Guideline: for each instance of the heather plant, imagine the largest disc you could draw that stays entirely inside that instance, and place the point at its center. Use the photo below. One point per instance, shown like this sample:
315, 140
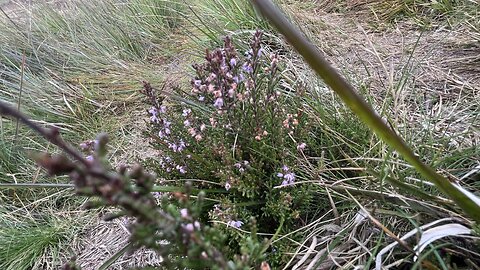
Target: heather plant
239, 131
175, 231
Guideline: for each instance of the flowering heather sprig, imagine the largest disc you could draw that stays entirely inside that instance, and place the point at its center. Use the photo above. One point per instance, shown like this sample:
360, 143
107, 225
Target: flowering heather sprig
301, 146
241, 166
241, 117
235, 223
287, 176
218, 81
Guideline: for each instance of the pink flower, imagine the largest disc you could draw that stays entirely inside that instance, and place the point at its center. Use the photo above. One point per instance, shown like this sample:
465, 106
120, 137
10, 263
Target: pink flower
218, 103
192, 132
247, 68
231, 93
301, 146
163, 109
184, 213
235, 224
211, 88
217, 93
181, 169
153, 111
186, 112
189, 227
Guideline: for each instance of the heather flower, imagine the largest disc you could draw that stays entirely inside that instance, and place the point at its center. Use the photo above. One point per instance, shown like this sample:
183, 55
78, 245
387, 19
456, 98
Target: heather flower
186, 123
197, 83
163, 109
181, 145
227, 186
217, 93
181, 169
301, 146
203, 127
186, 112
247, 68
196, 224
189, 227
84, 146
89, 158
236, 79
211, 77
184, 213
233, 62
231, 93
211, 88
248, 54
259, 53
201, 98
235, 224
218, 103
241, 166
192, 131
288, 177
157, 195
153, 111
173, 146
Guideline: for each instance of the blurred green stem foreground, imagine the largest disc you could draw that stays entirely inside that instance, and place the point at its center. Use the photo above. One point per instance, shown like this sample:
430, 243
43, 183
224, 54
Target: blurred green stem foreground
357, 104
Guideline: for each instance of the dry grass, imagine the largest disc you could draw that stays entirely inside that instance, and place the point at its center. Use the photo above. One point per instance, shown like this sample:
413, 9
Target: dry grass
105, 239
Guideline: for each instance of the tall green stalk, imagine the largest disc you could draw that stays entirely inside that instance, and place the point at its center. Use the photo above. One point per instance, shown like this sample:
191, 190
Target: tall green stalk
358, 105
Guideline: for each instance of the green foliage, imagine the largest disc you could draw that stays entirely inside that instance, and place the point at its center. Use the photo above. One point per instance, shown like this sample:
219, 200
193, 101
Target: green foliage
24, 243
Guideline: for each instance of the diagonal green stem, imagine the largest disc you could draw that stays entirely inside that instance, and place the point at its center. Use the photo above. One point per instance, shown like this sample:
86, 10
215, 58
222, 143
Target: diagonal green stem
358, 105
